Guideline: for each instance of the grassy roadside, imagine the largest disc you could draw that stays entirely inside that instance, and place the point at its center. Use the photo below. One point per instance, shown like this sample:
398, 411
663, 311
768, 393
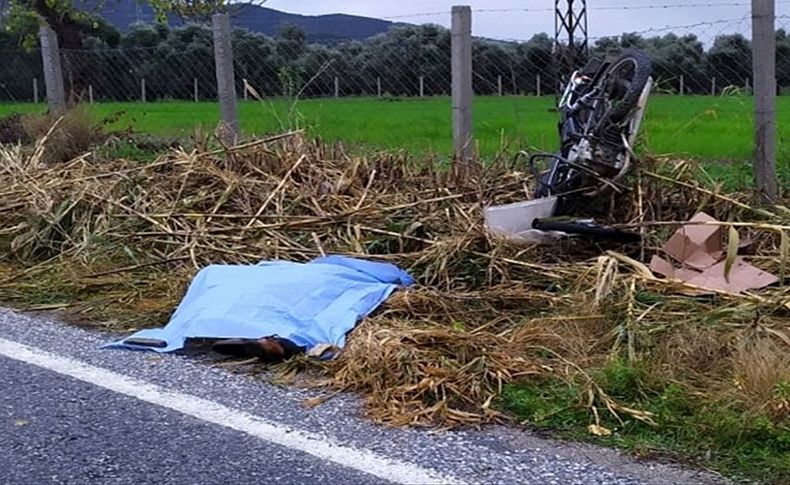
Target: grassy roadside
732, 438
563, 339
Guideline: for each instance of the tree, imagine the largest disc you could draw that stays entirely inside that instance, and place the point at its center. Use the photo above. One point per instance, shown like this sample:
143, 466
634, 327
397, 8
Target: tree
675, 56
77, 29
532, 58
730, 60
73, 25
782, 58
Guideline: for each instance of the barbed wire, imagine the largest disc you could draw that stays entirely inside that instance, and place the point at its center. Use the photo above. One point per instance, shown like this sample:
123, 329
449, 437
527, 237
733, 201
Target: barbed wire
667, 6
683, 27
413, 61
698, 27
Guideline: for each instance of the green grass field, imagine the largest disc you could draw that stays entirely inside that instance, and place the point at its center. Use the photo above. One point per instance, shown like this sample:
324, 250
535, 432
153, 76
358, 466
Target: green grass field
708, 128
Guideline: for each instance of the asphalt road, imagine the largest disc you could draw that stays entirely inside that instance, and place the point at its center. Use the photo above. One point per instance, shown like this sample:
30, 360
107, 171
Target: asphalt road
72, 413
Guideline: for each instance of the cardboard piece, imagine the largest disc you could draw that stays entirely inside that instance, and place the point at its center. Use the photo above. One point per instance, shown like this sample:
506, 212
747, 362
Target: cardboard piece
696, 246
698, 258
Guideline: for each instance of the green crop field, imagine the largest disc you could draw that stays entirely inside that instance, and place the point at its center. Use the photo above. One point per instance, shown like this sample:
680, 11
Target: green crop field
708, 128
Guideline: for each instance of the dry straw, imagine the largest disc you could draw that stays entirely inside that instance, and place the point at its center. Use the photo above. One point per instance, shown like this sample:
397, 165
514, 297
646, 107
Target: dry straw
116, 241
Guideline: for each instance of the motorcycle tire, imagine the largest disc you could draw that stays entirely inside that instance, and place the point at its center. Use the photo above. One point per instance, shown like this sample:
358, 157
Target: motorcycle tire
643, 68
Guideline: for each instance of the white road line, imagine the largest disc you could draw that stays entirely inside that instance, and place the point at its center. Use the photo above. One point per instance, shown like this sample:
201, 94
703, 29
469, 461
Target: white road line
215, 413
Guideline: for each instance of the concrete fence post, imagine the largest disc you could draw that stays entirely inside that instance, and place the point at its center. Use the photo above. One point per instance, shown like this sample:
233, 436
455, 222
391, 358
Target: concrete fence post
226, 78
462, 82
53, 72
764, 68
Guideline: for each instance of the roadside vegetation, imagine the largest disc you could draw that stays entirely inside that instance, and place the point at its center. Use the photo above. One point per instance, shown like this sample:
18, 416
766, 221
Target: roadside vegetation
580, 340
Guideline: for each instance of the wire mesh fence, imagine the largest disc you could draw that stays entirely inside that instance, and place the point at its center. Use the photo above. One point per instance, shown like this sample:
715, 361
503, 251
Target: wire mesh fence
21, 75
152, 64
415, 62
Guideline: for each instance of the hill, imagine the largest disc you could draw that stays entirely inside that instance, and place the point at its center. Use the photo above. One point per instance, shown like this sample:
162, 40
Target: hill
320, 28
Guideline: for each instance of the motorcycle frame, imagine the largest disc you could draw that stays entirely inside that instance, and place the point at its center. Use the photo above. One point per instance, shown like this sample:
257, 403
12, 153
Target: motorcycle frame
570, 130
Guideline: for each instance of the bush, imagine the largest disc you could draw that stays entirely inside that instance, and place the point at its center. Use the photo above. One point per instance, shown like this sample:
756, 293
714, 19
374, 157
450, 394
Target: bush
67, 136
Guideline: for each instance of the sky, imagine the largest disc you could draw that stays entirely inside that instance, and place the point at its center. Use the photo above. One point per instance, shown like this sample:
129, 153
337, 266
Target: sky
523, 18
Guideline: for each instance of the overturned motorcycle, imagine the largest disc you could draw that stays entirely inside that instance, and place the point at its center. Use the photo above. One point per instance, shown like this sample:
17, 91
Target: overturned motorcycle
601, 108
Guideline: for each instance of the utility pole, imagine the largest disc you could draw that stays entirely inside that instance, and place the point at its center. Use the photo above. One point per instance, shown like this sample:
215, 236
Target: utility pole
764, 66
570, 33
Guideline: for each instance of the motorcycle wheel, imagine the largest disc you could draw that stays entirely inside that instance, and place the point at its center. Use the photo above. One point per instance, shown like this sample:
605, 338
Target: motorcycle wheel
627, 78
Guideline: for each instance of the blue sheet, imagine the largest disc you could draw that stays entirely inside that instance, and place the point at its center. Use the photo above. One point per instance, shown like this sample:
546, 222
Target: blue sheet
308, 303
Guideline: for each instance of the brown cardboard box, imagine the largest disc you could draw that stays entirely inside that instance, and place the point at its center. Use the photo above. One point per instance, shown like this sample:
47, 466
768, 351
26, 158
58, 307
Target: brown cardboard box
698, 256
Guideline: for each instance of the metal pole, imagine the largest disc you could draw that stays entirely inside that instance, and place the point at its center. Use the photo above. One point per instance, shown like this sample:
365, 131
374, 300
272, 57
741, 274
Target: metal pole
90, 93
337, 87
35, 90
197, 91
462, 82
764, 68
53, 73
538, 86
226, 78
682, 85
499, 84
378, 86
142, 90
422, 86
713, 87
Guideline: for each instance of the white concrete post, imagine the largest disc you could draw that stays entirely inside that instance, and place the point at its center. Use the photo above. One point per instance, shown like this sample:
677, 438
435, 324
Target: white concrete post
462, 82
764, 68
226, 78
53, 72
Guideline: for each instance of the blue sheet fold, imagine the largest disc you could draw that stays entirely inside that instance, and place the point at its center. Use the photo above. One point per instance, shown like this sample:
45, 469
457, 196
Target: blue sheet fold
308, 303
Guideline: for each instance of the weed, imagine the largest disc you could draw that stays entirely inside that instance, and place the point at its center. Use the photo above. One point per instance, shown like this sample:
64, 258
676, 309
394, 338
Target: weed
723, 436
72, 136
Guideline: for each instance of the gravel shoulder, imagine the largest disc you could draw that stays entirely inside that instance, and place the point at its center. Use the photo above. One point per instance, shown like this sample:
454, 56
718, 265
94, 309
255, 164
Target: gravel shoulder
491, 455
